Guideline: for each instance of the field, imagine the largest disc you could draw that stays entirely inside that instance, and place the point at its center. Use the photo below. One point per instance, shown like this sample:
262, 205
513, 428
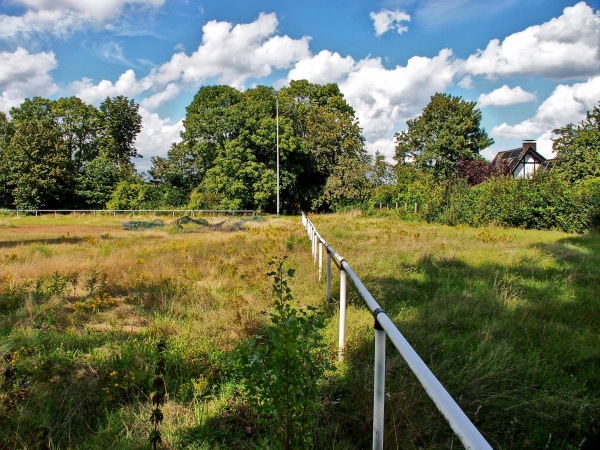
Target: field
507, 319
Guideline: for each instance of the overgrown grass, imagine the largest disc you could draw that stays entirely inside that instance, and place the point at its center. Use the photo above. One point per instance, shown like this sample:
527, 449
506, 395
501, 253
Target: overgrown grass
507, 319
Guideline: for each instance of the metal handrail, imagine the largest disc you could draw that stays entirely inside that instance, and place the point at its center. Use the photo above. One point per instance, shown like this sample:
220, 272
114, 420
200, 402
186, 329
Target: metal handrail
468, 434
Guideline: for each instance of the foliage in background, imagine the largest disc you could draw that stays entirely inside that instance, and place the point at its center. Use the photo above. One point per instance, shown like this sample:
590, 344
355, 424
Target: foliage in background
228, 153
578, 148
64, 153
448, 131
285, 368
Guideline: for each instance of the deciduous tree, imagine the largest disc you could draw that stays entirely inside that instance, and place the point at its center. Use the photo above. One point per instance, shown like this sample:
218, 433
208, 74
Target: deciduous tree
578, 148
448, 131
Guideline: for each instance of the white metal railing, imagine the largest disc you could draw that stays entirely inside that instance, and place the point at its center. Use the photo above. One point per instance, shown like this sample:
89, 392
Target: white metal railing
457, 419
133, 212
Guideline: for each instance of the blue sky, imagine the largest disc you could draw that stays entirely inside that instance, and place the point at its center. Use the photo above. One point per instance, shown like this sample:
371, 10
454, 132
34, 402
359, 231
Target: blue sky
531, 65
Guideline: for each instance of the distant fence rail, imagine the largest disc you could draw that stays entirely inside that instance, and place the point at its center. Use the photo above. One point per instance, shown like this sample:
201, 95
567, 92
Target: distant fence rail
133, 212
456, 418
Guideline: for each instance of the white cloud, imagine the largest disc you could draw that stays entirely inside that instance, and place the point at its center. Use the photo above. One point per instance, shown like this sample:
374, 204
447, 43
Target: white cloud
386, 20
127, 85
24, 74
155, 138
566, 46
231, 54
100, 10
383, 97
567, 104
156, 100
505, 96
325, 67
466, 82
61, 18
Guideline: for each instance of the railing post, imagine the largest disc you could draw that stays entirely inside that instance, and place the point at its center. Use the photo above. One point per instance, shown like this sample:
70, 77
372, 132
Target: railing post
342, 331
379, 384
315, 239
320, 259
328, 276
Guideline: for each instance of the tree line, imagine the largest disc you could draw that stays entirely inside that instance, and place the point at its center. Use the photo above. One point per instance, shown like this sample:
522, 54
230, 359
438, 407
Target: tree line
67, 154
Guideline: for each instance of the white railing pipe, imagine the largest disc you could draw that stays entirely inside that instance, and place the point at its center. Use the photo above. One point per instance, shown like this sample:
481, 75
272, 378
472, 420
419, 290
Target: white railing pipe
342, 326
378, 386
457, 419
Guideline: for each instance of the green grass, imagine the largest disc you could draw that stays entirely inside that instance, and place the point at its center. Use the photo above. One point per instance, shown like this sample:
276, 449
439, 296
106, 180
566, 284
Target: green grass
506, 319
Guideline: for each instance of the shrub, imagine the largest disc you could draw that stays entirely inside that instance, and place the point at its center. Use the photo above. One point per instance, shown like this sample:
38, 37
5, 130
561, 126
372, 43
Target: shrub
285, 368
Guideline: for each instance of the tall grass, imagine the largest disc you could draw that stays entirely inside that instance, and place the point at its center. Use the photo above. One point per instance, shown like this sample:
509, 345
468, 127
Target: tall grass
507, 319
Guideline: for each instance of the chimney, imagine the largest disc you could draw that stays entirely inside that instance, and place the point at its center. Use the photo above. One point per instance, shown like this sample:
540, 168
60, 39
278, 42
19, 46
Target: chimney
529, 144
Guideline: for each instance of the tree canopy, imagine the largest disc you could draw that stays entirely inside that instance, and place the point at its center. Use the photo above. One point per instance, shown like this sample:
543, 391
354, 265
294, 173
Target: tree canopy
65, 153
448, 131
577, 148
228, 148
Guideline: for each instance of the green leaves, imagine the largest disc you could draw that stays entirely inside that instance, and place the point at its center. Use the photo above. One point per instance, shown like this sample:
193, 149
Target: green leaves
447, 132
285, 367
230, 143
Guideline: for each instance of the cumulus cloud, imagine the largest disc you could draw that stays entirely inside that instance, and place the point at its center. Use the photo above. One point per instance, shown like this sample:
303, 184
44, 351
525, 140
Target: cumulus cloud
566, 46
505, 96
127, 85
567, 104
325, 67
381, 97
61, 18
24, 74
386, 20
231, 54
155, 138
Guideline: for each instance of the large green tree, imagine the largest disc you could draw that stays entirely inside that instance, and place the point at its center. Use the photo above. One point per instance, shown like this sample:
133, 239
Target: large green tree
40, 172
229, 146
121, 122
577, 148
5, 191
448, 131
65, 153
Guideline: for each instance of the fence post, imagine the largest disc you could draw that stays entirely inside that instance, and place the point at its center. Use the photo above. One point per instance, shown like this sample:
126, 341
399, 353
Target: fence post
320, 259
342, 331
328, 276
379, 384
314, 249
416, 207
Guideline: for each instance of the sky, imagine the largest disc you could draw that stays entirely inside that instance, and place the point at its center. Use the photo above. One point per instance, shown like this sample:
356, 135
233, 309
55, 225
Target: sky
530, 65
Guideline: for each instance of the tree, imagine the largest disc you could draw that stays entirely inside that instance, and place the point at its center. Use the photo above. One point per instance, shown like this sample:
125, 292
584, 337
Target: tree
121, 123
80, 126
578, 148
447, 132
229, 145
40, 172
5, 191
96, 184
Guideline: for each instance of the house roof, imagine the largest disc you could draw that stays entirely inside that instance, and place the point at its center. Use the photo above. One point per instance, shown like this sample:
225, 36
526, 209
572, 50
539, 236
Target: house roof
513, 157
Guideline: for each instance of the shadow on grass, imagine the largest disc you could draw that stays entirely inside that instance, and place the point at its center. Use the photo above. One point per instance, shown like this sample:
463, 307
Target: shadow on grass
517, 346
51, 241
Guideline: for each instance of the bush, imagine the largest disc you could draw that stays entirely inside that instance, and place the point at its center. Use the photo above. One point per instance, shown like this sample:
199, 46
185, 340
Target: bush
285, 368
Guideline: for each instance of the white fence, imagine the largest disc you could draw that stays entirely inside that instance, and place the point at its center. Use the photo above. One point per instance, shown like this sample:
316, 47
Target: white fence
132, 212
457, 419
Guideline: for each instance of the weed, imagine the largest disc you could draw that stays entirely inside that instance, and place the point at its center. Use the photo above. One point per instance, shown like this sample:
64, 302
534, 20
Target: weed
286, 367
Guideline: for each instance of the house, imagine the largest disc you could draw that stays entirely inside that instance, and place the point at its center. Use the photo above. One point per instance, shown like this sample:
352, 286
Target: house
523, 162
